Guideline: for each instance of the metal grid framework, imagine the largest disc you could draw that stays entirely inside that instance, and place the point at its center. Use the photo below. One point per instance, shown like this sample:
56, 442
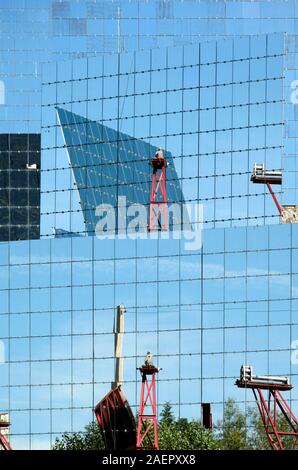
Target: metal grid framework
147, 434
34, 32
202, 313
279, 421
270, 417
116, 421
215, 107
208, 311
107, 164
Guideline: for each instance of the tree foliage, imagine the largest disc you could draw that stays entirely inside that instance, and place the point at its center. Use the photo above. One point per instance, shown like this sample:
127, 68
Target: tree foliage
238, 430
182, 434
232, 430
258, 436
245, 430
88, 439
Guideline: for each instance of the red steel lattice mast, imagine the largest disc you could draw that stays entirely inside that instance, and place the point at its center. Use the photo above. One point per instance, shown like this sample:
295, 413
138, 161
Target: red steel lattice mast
4, 443
147, 419
4, 425
158, 212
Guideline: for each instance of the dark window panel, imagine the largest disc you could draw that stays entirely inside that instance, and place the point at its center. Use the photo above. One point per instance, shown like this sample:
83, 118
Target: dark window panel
4, 200
18, 160
34, 216
4, 179
18, 216
34, 179
19, 233
4, 215
19, 186
4, 141
19, 197
19, 179
18, 142
34, 197
4, 234
34, 142
4, 160
34, 157
34, 232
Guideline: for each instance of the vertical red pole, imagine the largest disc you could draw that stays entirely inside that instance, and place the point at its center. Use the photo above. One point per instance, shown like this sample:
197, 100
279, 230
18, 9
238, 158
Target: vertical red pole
158, 212
154, 413
147, 419
275, 411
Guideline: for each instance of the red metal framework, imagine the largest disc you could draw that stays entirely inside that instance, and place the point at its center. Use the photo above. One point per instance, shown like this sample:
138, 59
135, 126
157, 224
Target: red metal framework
279, 208
4, 444
269, 413
4, 425
147, 420
158, 212
116, 421
262, 176
273, 407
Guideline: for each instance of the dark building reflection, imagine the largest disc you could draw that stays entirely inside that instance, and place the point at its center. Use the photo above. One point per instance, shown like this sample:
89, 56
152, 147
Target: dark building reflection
19, 186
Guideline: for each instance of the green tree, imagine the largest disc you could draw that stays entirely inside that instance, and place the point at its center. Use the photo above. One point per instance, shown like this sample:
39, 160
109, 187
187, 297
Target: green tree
232, 429
238, 430
89, 439
167, 416
182, 434
185, 435
173, 435
245, 430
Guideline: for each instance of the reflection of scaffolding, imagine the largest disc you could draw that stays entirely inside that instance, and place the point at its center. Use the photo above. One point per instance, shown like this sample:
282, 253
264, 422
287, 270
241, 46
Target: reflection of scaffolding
147, 420
113, 412
262, 176
119, 327
158, 213
273, 408
289, 213
116, 421
4, 427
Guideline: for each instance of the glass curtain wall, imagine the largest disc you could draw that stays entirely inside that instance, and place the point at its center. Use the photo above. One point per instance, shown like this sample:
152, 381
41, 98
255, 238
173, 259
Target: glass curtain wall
216, 107
202, 313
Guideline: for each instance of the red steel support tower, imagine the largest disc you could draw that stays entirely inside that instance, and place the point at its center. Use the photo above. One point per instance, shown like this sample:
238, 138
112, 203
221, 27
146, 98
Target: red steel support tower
4, 444
272, 407
158, 212
4, 425
147, 419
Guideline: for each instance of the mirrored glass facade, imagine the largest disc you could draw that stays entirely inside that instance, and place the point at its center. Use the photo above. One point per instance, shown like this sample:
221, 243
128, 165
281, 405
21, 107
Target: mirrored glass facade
203, 313
290, 142
107, 165
216, 107
37, 31
213, 83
